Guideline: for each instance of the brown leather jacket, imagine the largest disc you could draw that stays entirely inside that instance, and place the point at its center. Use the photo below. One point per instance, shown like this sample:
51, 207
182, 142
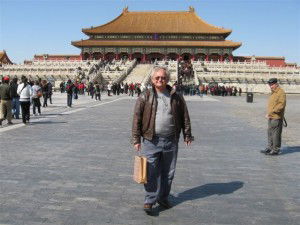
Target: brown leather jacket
145, 113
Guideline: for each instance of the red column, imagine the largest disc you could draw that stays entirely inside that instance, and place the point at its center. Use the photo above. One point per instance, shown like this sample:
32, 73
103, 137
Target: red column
193, 57
206, 58
221, 58
117, 56
144, 58
130, 56
230, 58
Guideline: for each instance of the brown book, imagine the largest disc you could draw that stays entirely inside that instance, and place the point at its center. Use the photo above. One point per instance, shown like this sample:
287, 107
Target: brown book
140, 169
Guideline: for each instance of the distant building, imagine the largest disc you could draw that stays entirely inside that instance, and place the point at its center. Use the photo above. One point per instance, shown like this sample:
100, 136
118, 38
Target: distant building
4, 58
151, 35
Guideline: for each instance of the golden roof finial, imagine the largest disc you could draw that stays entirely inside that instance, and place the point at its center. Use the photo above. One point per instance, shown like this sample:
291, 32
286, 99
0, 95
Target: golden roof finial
191, 9
125, 10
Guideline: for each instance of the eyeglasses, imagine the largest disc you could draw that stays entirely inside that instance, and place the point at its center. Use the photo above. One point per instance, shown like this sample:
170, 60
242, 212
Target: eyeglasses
162, 78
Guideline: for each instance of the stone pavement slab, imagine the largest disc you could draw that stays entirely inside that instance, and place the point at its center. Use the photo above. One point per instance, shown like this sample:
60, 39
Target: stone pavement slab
76, 168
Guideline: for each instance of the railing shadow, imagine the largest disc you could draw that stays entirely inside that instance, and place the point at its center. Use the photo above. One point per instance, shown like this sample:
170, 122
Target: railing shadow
46, 122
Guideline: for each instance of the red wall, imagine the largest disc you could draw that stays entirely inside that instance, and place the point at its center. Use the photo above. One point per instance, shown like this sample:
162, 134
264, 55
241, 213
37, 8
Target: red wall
280, 62
57, 57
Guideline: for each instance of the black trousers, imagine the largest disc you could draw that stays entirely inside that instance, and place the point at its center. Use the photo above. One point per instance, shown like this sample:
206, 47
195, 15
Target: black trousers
25, 106
274, 134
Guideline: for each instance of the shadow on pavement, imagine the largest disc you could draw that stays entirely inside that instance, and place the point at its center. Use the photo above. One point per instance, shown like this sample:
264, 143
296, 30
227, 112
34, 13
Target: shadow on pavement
208, 190
289, 150
202, 191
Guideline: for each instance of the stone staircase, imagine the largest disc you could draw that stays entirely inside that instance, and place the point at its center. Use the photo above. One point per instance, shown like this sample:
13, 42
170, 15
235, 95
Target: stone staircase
139, 73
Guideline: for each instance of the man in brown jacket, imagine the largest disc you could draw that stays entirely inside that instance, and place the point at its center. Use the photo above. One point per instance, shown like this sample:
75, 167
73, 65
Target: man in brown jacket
275, 115
160, 114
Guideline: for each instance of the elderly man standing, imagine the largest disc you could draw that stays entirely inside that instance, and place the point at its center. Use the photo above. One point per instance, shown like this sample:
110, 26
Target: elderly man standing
5, 104
159, 116
275, 115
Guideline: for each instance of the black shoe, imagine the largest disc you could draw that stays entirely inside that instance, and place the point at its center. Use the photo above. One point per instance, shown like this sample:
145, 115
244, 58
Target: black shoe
273, 153
166, 204
148, 207
266, 151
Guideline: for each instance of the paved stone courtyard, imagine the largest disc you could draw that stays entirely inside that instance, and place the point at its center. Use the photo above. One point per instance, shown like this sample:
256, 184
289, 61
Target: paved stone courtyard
74, 166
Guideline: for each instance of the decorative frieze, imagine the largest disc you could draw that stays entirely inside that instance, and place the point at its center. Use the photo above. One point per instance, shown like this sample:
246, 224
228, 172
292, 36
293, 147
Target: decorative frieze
186, 50
137, 50
110, 50
156, 37
123, 50
201, 51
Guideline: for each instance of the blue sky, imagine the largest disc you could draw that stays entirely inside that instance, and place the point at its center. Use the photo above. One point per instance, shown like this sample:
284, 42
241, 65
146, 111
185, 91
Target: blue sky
265, 27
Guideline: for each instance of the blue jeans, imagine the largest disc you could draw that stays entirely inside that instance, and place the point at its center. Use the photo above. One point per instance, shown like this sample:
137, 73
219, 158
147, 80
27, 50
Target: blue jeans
16, 108
69, 100
161, 155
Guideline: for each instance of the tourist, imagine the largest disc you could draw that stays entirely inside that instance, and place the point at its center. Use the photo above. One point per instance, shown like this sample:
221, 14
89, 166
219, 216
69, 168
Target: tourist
97, 91
75, 90
109, 87
69, 89
15, 98
91, 90
62, 87
50, 91
122, 88
25, 92
126, 88
240, 91
5, 101
160, 132
45, 92
36, 95
131, 89
275, 116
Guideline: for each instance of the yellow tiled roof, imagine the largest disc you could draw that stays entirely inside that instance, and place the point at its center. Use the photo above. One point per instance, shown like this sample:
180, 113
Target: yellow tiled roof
158, 22
4, 58
86, 43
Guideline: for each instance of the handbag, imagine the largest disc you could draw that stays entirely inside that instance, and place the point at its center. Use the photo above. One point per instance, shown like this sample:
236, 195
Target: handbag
140, 169
39, 94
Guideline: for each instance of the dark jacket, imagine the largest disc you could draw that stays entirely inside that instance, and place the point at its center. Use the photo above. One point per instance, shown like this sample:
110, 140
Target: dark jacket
5, 92
145, 112
14, 88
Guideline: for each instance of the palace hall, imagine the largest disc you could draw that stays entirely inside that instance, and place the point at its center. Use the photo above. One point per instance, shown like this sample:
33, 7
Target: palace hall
157, 35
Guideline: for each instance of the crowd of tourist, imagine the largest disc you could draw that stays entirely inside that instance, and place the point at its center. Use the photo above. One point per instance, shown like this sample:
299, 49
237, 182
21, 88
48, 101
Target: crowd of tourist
15, 95
214, 90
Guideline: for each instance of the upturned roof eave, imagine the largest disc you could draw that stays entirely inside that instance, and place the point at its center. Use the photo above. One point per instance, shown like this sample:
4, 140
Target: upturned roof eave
225, 32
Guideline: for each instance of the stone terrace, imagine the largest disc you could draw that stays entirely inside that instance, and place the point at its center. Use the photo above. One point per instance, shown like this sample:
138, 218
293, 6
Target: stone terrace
74, 167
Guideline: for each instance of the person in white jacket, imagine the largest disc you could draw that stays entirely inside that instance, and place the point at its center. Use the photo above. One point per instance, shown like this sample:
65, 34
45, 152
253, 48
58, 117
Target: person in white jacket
25, 93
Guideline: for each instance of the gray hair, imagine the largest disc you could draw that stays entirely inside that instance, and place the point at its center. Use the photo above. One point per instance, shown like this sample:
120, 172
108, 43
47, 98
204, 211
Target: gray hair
157, 68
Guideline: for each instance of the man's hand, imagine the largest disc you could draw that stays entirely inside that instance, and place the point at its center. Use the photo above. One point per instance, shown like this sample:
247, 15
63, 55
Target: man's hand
267, 116
137, 147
